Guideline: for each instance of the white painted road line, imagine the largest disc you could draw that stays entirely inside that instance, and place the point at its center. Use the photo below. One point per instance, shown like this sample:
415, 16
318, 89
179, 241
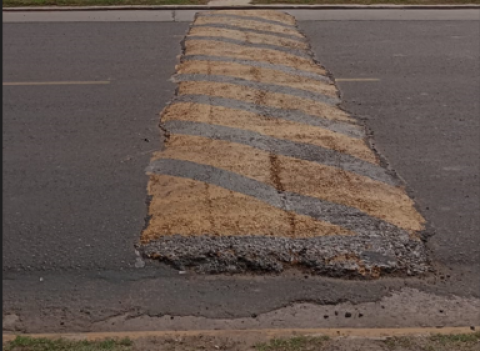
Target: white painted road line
94, 82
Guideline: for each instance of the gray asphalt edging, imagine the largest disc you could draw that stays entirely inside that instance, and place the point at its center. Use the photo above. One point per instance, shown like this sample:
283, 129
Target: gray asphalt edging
241, 7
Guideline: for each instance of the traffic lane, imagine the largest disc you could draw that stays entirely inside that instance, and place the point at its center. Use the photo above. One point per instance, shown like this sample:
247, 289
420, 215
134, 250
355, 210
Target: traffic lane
91, 51
424, 114
74, 155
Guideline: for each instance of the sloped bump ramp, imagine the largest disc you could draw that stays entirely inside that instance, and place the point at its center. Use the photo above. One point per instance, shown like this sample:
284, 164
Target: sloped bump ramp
262, 171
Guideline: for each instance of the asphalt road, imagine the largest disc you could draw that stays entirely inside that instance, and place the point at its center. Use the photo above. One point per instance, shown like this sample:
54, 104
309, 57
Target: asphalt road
74, 180
74, 155
424, 114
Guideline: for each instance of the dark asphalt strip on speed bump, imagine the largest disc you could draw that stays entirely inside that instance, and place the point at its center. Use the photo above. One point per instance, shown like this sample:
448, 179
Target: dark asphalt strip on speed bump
252, 63
302, 151
248, 22
210, 47
288, 50
246, 31
285, 129
249, 18
275, 113
257, 74
256, 85
262, 171
252, 37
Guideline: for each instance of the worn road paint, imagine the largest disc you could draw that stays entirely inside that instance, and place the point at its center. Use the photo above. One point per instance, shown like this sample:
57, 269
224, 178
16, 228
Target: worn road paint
357, 80
262, 170
94, 82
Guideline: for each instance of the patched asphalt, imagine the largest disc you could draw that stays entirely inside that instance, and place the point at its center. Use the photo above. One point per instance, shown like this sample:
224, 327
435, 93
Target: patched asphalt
246, 183
72, 228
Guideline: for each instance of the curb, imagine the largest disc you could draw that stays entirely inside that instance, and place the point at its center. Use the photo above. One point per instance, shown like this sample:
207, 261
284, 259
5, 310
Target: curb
241, 7
368, 333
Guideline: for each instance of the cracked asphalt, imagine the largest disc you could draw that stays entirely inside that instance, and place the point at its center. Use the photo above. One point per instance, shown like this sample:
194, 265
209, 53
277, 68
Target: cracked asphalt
75, 187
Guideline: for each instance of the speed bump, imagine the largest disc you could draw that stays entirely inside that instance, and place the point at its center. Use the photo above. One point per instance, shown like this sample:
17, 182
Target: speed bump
262, 171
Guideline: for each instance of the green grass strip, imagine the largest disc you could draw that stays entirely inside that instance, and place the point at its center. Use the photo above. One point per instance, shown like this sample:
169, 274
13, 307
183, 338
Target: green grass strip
22, 343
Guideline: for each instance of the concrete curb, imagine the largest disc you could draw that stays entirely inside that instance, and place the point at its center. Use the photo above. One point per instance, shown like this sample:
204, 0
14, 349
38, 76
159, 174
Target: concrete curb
241, 7
368, 333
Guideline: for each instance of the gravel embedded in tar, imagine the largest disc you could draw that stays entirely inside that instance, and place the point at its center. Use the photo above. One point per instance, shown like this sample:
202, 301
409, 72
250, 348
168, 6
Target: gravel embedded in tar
263, 171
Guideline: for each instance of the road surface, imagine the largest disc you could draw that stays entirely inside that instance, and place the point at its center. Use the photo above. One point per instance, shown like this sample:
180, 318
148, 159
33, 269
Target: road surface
75, 183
